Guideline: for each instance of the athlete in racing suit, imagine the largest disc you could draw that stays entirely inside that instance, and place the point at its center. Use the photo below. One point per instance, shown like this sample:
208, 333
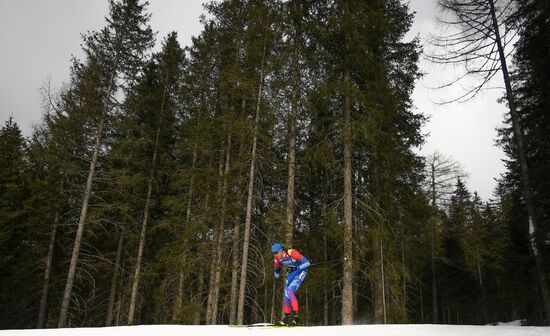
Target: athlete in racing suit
296, 265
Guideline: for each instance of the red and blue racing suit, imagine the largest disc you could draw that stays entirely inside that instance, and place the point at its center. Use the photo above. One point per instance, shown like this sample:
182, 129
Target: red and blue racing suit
297, 266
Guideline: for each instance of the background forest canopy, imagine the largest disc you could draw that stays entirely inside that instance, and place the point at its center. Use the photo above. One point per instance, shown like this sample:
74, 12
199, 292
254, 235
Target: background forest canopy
156, 182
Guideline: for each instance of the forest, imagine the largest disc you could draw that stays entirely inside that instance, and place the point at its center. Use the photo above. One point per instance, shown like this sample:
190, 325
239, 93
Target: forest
156, 182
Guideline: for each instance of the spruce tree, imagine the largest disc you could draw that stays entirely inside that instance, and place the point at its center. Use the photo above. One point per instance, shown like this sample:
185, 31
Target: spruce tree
116, 50
16, 241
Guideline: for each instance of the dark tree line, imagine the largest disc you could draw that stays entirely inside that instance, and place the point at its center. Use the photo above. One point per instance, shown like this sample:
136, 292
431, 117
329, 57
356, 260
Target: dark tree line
156, 182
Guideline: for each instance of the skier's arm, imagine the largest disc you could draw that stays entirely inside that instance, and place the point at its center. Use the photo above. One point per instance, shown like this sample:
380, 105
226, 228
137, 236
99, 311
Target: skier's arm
276, 268
298, 256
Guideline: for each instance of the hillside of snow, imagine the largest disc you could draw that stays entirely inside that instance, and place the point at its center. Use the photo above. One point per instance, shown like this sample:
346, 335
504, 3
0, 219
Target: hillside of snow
357, 330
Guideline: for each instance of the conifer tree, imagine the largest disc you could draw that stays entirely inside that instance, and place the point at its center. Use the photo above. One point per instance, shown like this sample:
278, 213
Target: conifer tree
260, 53
362, 56
153, 106
16, 243
116, 50
530, 83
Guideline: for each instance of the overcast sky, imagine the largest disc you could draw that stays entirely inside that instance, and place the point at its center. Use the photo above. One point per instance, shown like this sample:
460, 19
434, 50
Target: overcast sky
38, 38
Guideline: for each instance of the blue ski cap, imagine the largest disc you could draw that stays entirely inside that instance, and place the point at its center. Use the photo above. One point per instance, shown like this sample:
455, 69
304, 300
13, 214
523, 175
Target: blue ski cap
276, 247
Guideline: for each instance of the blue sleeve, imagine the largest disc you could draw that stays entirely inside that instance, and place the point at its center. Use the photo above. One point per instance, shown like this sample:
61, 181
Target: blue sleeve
305, 263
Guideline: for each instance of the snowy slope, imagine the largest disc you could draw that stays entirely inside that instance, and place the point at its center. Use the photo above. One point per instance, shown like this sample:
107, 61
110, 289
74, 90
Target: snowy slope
359, 330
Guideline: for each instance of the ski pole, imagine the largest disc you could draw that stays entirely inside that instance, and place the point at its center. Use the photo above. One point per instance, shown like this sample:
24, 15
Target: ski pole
335, 261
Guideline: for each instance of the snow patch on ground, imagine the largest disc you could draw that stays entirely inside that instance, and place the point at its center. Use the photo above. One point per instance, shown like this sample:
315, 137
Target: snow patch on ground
357, 330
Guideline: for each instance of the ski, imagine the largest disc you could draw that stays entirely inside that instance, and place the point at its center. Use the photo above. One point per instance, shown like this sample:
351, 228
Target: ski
261, 325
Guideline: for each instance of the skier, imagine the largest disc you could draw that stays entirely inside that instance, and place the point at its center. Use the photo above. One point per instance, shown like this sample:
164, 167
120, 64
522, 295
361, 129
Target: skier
296, 265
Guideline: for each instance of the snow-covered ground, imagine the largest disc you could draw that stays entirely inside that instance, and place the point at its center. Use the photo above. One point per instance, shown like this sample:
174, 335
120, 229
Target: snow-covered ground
358, 330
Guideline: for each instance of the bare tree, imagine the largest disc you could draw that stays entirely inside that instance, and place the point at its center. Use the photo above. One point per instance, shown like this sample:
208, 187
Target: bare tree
481, 43
469, 43
441, 173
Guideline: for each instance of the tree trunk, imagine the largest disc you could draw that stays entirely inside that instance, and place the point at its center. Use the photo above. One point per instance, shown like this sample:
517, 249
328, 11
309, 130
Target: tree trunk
435, 308
527, 192
325, 282
235, 262
114, 281
47, 273
181, 280
404, 275
379, 287
118, 309
213, 297
273, 295
191, 185
289, 227
197, 314
49, 260
383, 278
347, 289
216, 251
234, 273
179, 297
421, 303
249, 201
137, 272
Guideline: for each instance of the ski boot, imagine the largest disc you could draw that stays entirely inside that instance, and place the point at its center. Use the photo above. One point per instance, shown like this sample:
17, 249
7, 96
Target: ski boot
296, 320
285, 321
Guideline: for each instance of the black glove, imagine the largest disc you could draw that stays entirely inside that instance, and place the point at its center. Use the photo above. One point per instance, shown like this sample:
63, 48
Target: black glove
291, 268
276, 272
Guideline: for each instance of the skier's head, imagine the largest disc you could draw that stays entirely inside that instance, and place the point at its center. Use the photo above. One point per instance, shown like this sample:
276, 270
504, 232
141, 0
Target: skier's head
276, 247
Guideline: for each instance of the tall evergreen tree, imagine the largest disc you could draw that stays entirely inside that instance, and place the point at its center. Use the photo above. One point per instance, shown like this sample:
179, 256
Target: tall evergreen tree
530, 82
117, 50
16, 243
372, 71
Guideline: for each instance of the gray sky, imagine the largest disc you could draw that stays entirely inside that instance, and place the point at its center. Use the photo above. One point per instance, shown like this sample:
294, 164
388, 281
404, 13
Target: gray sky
39, 37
